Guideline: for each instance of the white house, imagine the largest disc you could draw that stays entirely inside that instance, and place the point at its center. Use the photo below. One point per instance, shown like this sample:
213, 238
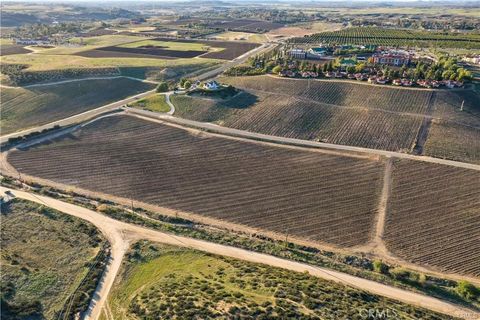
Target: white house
211, 85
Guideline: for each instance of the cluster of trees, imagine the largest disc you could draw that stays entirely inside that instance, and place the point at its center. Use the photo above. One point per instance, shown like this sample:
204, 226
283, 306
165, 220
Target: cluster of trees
40, 30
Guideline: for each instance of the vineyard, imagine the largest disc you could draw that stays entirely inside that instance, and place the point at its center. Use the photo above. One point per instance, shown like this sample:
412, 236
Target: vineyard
452, 141
334, 112
392, 37
23, 108
433, 216
306, 194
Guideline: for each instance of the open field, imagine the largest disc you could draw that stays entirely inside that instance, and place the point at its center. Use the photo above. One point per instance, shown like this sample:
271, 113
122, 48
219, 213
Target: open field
23, 108
433, 216
174, 48
155, 102
236, 36
393, 37
10, 49
45, 256
161, 281
310, 195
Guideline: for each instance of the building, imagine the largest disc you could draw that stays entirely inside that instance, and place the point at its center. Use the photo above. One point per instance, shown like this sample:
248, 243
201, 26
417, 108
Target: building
391, 59
211, 85
298, 53
317, 53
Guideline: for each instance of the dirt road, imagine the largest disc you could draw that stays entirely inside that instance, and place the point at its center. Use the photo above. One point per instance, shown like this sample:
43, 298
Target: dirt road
121, 234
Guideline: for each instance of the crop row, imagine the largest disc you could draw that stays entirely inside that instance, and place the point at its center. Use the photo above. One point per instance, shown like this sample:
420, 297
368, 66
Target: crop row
306, 194
340, 93
392, 37
434, 216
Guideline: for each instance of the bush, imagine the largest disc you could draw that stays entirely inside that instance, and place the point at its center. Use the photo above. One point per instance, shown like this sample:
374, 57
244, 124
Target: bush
187, 84
162, 87
277, 69
467, 290
380, 267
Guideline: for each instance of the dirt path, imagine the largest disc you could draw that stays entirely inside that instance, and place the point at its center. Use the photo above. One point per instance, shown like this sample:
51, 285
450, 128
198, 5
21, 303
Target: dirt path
422, 134
121, 234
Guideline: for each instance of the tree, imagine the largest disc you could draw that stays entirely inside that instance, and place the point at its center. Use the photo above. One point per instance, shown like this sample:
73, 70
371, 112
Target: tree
162, 87
277, 69
182, 82
187, 84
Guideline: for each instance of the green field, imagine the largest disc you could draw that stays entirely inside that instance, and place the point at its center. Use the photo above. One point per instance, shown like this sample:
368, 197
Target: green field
166, 282
23, 108
45, 256
154, 102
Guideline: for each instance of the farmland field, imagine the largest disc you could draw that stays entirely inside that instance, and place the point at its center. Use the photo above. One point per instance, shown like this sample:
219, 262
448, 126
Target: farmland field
341, 112
295, 118
433, 216
307, 194
45, 256
167, 282
392, 37
453, 141
23, 108
10, 49
173, 48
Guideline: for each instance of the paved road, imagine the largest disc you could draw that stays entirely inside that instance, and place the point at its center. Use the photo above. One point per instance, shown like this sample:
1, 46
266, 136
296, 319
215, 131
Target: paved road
290, 141
121, 234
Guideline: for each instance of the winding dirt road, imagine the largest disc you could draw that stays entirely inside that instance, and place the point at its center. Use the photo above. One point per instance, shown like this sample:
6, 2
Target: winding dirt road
121, 234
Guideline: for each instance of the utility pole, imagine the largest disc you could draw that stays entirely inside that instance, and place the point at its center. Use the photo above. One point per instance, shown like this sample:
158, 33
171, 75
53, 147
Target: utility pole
133, 211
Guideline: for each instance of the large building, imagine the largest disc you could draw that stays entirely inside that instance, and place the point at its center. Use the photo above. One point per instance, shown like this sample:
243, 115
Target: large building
391, 59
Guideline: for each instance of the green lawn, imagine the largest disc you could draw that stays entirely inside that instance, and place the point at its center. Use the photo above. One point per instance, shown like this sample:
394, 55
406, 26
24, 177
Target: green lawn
156, 103
24, 108
166, 282
45, 255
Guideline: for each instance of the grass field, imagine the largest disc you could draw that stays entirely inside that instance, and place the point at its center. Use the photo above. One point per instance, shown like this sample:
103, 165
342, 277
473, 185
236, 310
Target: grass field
307, 194
433, 216
166, 282
154, 102
28, 107
45, 255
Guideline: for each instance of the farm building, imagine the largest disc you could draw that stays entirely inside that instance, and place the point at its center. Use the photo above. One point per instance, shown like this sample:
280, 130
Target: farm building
298, 53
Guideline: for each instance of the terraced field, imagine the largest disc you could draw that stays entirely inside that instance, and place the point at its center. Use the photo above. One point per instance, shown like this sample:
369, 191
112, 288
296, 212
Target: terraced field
23, 108
307, 194
434, 216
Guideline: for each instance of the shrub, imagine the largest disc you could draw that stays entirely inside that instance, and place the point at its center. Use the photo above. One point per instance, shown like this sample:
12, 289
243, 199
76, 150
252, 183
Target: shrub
277, 69
380, 267
467, 290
